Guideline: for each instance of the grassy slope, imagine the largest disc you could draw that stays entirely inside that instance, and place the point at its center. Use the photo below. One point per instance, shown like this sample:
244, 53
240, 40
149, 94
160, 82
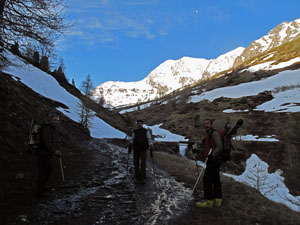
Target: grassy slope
242, 204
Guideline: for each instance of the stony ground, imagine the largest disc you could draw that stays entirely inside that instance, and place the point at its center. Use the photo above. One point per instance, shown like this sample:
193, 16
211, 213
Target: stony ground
99, 190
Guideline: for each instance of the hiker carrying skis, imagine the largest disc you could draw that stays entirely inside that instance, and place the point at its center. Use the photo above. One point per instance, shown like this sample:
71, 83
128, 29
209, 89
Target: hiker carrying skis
47, 149
211, 180
217, 148
141, 140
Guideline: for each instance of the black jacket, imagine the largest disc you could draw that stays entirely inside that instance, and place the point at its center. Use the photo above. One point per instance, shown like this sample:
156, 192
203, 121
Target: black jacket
140, 139
48, 141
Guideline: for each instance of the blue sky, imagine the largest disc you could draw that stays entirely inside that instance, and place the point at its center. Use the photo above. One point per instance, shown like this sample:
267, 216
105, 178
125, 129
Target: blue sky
124, 40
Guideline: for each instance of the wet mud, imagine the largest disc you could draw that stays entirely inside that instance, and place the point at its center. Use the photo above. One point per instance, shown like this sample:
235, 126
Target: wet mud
105, 192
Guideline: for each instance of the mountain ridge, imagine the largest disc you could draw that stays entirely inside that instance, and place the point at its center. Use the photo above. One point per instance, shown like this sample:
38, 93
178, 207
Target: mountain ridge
167, 77
172, 75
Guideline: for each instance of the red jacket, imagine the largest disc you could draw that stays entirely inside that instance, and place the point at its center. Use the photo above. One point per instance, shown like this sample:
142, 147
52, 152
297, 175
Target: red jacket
213, 141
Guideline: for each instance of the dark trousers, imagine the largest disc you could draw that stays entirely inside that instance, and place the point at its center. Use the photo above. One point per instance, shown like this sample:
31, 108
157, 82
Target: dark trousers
140, 155
211, 180
44, 171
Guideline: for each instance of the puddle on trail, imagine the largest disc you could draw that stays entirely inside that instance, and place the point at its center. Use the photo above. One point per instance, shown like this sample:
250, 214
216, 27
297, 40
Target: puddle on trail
106, 194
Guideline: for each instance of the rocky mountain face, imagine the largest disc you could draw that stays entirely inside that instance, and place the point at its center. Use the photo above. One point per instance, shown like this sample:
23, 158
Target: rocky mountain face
284, 32
174, 74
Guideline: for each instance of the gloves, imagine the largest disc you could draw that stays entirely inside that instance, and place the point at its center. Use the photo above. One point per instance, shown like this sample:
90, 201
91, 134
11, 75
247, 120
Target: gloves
239, 123
198, 147
151, 151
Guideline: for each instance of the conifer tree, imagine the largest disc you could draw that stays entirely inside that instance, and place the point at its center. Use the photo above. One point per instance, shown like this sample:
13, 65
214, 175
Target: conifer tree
85, 113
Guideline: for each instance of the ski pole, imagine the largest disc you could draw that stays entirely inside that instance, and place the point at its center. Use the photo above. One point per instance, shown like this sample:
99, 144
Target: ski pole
62, 171
153, 170
201, 172
196, 165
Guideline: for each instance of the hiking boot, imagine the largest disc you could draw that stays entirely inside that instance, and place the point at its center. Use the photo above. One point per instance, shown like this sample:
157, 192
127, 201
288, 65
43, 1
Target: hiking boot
205, 204
218, 202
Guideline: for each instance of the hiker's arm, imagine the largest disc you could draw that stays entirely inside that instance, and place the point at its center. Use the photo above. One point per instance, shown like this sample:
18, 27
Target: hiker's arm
216, 137
149, 138
130, 139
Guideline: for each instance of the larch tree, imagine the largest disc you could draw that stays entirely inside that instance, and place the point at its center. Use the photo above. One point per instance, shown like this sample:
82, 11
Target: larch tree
85, 113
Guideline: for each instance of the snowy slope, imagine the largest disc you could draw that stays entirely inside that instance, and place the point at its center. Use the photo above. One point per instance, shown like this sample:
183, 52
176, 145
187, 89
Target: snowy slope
47, 86
283, 101
223, 62
284, 32
271, 185
167, 77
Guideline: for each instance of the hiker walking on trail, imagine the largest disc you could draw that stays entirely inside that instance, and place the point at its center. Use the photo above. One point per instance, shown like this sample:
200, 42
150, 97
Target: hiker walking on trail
141, 140
47, 149
211, 180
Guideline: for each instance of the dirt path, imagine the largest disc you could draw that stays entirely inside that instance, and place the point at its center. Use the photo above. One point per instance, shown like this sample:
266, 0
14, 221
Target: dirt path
104, 193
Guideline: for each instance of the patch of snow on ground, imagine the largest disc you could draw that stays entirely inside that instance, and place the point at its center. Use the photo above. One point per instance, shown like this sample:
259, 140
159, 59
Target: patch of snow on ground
235, 111
250, 137
182, 148
269, 66
285, 78
271, 185
286, 101
156, 130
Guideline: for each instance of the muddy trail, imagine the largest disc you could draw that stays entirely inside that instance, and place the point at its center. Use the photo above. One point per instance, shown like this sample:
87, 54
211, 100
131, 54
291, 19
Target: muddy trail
104, 192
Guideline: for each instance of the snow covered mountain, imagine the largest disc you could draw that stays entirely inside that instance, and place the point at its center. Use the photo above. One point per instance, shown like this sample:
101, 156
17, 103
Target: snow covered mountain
284, 32
175, 74
167, 77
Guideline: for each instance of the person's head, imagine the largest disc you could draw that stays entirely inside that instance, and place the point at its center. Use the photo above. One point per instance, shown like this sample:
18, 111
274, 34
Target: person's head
207, 124
54, 119
139, 123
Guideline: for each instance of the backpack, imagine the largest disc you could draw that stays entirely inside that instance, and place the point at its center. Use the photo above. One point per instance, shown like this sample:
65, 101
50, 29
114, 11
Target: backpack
226, 136
34, 137
227, 146
140, 139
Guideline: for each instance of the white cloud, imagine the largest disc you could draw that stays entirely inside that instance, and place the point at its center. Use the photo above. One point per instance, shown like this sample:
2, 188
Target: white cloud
94, 23
110, 20
218, 14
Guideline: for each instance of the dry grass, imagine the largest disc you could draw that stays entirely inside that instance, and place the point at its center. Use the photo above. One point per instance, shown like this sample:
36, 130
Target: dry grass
242, 204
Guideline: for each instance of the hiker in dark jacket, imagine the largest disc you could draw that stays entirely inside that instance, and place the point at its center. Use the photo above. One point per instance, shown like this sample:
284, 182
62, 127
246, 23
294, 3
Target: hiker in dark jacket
47, 149
211, 179
141, 140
